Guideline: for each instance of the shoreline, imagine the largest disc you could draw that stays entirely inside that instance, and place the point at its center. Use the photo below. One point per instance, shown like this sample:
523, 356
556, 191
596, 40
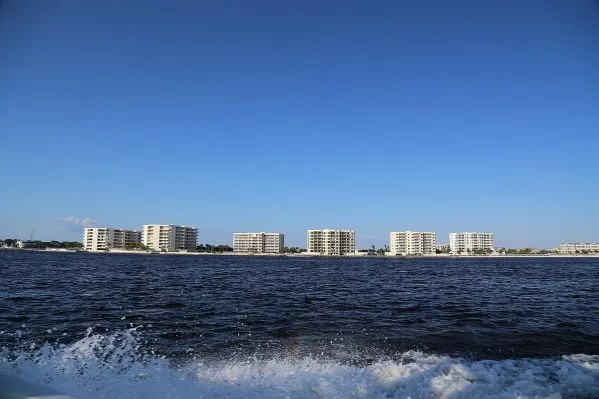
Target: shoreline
443, 256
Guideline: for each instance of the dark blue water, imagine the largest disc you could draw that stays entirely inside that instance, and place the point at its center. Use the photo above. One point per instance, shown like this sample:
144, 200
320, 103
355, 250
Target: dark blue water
353, 311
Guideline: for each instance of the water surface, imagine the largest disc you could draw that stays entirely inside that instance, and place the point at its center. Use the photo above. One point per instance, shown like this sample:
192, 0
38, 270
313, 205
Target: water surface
391, 326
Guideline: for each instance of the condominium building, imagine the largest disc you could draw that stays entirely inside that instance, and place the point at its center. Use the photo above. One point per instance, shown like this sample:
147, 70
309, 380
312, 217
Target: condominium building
261, 243
412, 243
470, 242
578, 247
105, 238
169, 237
332, 242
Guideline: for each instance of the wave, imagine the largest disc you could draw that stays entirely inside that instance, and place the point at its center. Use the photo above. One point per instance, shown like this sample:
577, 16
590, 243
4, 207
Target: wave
117, 366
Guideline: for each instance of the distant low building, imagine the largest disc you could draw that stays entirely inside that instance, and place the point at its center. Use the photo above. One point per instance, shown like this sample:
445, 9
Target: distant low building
471, 242
169, 237
331, 242
578, 247
261, 243
106, 238
412, 243
443, 248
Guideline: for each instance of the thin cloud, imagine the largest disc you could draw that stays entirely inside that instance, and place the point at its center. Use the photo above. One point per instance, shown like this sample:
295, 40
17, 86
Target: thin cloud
72, 223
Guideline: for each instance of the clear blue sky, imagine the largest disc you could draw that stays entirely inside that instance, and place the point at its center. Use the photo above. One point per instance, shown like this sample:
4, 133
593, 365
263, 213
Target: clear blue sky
283, 116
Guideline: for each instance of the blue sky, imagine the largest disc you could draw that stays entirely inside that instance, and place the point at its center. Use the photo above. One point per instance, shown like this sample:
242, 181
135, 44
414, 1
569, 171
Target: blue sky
285, 116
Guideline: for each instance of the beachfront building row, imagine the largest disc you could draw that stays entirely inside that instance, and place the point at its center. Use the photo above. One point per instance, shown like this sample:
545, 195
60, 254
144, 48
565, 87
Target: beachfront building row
169, 237
157, 237
331, 242
259, 243
105, 238
578, 247
425, 243
334, 242
471, 242
412, 243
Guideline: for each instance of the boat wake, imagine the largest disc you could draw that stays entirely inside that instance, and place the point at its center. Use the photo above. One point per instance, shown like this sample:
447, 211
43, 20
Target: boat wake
116, 366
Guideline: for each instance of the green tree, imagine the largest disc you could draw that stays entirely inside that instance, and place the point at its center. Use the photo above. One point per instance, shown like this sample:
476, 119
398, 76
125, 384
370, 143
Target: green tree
137, 246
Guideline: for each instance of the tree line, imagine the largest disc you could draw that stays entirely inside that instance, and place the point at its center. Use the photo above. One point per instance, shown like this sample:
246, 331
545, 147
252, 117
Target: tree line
524, 251
221, 248
37, 244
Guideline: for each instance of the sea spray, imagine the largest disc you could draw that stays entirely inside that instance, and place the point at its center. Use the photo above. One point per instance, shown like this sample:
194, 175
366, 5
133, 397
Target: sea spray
116, 365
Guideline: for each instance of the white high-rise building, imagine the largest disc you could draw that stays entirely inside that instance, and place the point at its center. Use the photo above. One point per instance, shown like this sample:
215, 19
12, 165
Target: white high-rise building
412, 243
462, 242
332, 242
169, 237
105, 238
261, 243
578, 247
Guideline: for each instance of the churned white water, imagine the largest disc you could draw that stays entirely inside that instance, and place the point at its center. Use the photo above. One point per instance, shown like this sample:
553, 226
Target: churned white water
115, 366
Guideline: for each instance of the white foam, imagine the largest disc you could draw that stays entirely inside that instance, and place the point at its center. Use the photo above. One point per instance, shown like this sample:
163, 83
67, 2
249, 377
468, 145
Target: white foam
114, 366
